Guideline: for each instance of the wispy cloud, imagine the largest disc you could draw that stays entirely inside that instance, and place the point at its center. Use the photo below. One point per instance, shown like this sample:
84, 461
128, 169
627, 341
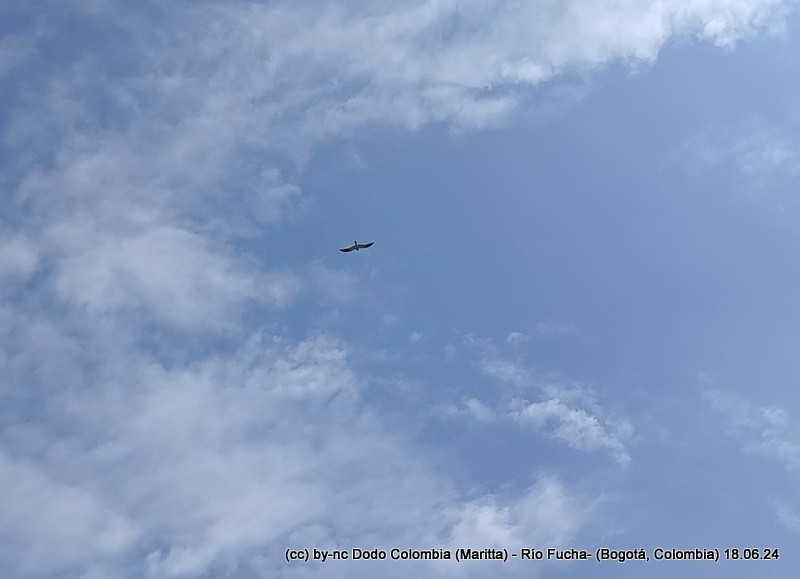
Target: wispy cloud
546, 514
174, 275
50, 524
546, 331
787, 517
562, 409
19, 257
760, 153
577, 427
182, 469
582, 427
474, 409
16, 49
768, 431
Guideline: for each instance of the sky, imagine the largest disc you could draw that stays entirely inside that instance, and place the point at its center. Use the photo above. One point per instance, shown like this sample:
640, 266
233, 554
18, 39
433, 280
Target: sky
579, 326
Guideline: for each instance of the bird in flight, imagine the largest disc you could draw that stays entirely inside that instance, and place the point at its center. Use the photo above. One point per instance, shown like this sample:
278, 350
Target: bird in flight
356, 246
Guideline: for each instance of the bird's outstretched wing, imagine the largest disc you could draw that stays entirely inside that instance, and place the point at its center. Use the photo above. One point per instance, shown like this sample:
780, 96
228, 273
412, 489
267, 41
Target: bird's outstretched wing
351, 248
365, 245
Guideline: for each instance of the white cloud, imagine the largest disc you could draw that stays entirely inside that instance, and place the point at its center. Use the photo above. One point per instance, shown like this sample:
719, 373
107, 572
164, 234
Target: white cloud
19, 257
546, 514
787, 517
564, 410
48, 525
16, 50
506, 371
127, 229
176, 275
546, 330
462, 62
472, 408
207, 464
575, 426
286, 76
756, 151
767, 431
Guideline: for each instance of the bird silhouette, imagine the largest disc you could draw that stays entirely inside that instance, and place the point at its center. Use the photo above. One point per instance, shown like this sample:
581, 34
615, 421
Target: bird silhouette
356, 246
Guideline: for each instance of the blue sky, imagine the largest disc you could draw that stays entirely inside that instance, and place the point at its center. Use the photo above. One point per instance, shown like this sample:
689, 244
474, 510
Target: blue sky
578, 326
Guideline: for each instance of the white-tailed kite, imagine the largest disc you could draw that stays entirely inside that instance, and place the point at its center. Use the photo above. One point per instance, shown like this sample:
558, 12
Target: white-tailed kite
356, 246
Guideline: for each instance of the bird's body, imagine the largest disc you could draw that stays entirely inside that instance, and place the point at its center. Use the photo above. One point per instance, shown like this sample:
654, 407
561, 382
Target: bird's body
356, 246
